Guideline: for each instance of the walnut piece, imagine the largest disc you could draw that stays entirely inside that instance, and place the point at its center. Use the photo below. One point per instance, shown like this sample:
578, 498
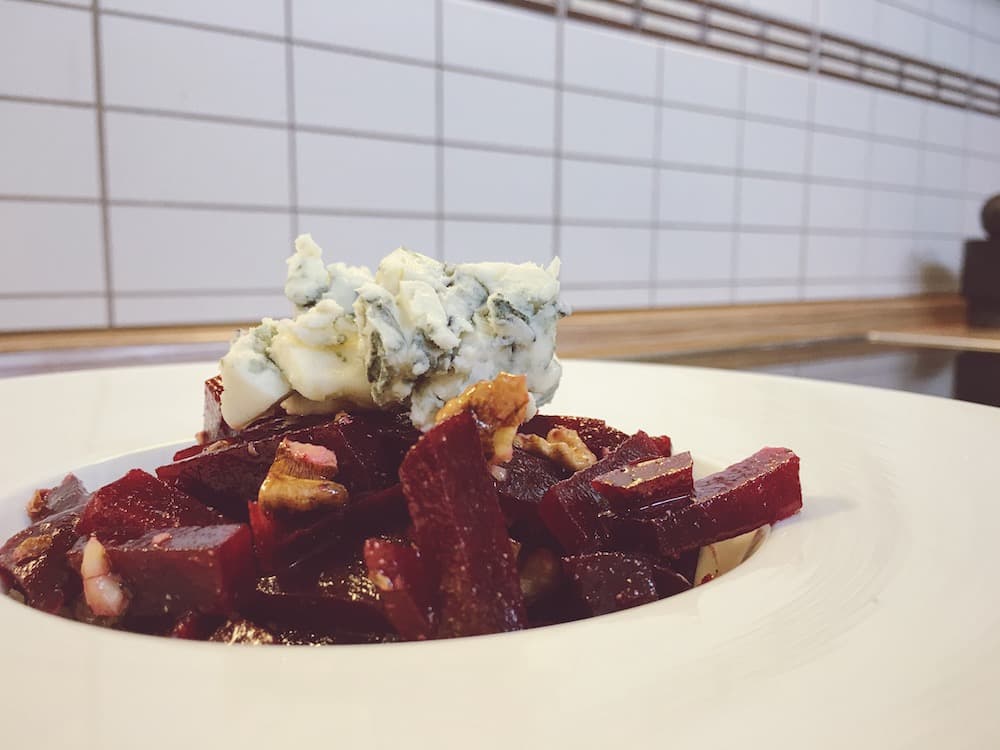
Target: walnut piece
30, 548
499, 407
300, 479
561, 445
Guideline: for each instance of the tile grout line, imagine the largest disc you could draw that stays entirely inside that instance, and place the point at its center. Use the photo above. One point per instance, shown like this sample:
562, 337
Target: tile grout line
102, 159
439, 166
293, 145
809, 145
654, 235
558, 156
738, 189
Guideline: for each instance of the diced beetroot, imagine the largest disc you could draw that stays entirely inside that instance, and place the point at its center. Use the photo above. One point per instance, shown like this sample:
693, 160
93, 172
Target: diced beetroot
639, 485
369, 448
281, 539
194, 626
460, 531
525, 479
570, 509
70, 494
762, 489
376, 512
611, 581
329, 593
214, 426
665, 444
138, 503
403, 585
595, 433
33, 562
204, 569
668, 580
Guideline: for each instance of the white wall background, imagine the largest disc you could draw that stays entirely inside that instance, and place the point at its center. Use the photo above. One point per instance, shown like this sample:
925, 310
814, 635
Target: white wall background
168, 188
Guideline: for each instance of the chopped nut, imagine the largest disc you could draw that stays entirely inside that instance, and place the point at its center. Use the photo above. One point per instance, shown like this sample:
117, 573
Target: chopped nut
561, 445
162, 538
300, 479
30, 548
36, 505
499, 407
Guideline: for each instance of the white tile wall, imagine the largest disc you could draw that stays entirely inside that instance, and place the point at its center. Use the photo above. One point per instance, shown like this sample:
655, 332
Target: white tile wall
217, 74
68, 72
222, 127
169, 159
477, 110
336, 90
48, 150
489, 183
610, 127
364, 174
386, 26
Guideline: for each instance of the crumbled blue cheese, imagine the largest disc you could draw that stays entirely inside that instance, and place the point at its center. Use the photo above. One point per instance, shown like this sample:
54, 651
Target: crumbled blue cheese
252, 382
417, 333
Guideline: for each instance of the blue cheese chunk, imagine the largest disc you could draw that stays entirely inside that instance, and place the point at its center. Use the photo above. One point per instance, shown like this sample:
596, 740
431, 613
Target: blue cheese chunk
252, 381
416, 333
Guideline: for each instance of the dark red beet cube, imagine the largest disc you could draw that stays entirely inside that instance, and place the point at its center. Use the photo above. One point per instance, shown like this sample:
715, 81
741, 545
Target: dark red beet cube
328, 593
595, 433
33, 562
570, 509
522, 482
639, 485
611, 581
281, 539
403, 584
203, 569
138, 503
70, 494
762, 489
460, 531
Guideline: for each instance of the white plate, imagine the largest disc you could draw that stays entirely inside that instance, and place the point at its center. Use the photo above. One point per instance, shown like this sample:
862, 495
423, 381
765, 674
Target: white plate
870, 620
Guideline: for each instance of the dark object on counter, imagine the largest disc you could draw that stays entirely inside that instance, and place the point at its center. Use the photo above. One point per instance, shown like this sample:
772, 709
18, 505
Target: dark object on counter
981, 270
977, 378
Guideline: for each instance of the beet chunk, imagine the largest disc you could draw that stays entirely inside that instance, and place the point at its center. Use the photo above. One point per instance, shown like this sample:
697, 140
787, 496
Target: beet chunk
369, 448
596, 434
33, 562
570, 509
138, 503
611, 581
203, 569
525, 479
70, 494
328, 593
401, 579
640, 485
460, 531
762, 489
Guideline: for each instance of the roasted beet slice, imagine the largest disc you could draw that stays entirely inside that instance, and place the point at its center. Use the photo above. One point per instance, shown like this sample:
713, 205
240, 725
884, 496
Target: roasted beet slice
282, 538
460, 531
138, 503
570, 509
522, 481
33, 562
203, 569
595, 433
762, 489
329, 593
70, 494
611, 581
403, 584
635, 486
369, 448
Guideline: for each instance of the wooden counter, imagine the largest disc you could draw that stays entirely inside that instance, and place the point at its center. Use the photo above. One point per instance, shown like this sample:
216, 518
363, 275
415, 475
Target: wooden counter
634, 333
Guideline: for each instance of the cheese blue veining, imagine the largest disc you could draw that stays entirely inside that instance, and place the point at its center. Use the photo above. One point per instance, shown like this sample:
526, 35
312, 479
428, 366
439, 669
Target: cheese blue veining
417, 332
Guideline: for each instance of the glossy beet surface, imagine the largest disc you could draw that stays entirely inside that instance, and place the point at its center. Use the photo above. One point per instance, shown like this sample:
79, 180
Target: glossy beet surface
138, 503
763, 489
460, 531
640, 485
571, 508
